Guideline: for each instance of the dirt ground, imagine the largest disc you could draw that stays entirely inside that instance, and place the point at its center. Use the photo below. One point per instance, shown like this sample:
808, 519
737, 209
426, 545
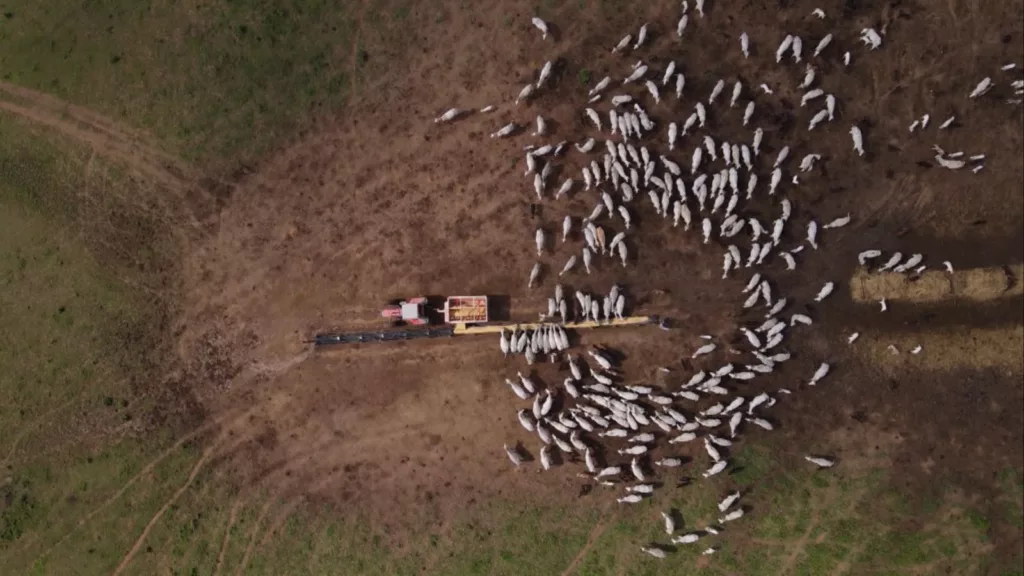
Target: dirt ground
379, 203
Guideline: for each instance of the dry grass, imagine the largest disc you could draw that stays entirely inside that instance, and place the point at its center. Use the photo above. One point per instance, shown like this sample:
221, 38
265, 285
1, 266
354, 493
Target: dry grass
935, 286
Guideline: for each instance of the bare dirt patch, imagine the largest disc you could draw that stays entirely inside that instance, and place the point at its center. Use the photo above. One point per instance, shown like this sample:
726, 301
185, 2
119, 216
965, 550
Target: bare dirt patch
381, 203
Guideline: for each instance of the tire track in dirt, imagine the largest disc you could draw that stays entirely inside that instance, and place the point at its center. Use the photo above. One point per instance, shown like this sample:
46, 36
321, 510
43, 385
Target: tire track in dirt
279, 519
124, 488
61, 108
800, 546
219, 445
227, 535
274, 368
252, 537
101, 135
290, 507
848, 561
354, 57
147, 469
163, 509
128, 147
595, 533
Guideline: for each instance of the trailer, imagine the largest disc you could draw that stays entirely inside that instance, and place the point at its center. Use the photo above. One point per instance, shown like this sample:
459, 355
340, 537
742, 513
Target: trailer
465, 310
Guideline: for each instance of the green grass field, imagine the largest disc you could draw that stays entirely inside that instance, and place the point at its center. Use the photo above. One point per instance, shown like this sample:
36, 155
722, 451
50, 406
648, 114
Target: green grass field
219, 83
215, 81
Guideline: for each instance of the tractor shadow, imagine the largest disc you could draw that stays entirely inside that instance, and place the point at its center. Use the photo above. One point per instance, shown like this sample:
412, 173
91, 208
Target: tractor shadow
499, 308
435, 309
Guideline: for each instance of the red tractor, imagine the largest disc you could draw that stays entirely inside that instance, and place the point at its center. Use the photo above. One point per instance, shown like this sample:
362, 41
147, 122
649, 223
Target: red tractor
412, 311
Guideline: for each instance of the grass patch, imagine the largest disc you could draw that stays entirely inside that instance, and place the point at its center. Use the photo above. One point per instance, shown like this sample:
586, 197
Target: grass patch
978, 520
75, 335
1011, 484
65, 319
85, 487
66, 316
214, 80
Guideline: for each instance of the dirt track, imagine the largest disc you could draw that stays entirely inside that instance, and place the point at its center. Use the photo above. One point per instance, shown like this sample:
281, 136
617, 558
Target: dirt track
381, 203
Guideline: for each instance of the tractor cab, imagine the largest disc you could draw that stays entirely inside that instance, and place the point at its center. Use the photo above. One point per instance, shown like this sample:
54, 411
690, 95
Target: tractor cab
412, 312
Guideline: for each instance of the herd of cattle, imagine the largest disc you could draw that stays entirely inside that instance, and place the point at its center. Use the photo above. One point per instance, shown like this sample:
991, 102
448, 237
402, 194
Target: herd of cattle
627, 161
